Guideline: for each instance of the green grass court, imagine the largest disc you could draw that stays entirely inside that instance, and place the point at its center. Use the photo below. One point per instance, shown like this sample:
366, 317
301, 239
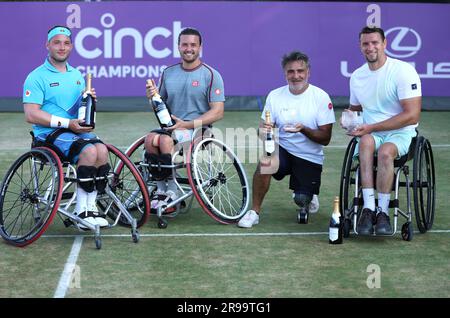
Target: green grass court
198, 257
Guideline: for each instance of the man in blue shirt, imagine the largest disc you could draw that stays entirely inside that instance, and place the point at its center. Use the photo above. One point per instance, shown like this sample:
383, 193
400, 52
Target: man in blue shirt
51, 97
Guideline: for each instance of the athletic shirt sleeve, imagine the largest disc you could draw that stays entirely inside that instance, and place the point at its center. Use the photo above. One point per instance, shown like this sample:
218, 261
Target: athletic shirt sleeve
408, 82
33, 91
326, 111
216, 93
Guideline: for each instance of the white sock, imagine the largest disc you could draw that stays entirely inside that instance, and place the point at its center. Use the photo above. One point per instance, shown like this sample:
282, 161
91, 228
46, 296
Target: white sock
81, 204
161, 185
369, 198
91, 201
383, 202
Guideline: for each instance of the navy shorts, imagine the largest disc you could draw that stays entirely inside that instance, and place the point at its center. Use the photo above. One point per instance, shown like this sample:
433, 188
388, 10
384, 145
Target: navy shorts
305, 175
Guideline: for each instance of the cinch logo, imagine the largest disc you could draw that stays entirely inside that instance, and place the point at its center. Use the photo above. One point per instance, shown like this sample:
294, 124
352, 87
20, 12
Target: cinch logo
403, 42
109, 43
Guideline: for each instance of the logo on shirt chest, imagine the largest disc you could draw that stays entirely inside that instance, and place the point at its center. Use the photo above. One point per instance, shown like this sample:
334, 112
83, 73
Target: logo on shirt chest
195, 83
54, 84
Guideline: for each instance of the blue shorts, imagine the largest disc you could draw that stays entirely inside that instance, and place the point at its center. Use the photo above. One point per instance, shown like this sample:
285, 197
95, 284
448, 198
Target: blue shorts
401, 139
64, 142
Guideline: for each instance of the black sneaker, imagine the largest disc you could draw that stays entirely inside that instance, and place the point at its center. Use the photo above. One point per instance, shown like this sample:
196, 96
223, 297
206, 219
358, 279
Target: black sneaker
366, 221
383, 226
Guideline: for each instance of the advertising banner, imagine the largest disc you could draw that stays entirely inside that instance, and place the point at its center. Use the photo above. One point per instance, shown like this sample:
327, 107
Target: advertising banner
124, 43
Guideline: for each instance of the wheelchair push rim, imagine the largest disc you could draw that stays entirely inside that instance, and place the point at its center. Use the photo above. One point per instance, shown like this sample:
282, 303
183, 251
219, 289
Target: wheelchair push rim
218, 180
127, 184
37, 188
424, 185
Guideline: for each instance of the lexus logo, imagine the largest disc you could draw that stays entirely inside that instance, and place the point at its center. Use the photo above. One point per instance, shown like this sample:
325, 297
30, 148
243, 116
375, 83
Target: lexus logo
403, 42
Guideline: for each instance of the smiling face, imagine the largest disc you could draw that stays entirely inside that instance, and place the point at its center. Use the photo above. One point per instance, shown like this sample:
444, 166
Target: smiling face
372, 47
59, 48
297, 75
190, 48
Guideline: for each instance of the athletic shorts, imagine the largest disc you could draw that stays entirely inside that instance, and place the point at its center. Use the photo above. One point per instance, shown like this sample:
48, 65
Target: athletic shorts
179, 135
64, 141
401, 139
305, 176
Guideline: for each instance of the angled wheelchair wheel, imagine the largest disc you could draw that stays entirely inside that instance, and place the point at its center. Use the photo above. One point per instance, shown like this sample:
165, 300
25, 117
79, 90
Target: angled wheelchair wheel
424, 185
348, 182
31, 193
127, 184
218, 180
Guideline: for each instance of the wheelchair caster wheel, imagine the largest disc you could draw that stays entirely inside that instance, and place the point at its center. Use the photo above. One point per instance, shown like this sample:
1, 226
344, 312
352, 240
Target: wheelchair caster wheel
135, 236
346, 228
302, 217
162, 224
407, 231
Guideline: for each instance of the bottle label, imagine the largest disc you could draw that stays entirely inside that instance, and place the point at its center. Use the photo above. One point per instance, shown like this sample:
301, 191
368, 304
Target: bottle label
333, 234
164, 117
269, 145
82, 113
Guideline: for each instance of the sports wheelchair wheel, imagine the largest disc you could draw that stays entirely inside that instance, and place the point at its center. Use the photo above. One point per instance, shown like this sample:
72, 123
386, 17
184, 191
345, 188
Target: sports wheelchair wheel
30, 195
348, 184
218, 180
424, 187
127, 184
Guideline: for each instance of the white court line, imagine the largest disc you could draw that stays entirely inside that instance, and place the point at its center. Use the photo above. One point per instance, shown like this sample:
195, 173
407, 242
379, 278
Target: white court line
66, 275
214, 234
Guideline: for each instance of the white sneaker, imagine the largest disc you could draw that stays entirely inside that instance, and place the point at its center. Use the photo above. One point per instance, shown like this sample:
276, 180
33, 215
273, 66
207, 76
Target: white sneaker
84, 215
99, 219
162, 199
314, 204
250, 218
158, 196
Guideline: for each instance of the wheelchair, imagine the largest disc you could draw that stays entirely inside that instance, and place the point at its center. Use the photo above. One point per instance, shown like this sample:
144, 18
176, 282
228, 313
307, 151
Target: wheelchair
207, 170
42, 182
422, 185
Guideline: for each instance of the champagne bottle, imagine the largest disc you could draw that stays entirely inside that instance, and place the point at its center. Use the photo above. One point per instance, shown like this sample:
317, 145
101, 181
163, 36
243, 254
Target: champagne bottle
335, 231
161, 110
87, 110
269, 143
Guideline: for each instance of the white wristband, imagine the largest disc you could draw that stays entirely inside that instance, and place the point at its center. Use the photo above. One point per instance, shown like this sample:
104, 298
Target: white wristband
59, 122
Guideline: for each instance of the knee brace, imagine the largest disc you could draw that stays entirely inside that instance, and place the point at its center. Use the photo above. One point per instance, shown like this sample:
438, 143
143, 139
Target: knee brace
85, 172
302, 199
102, 171
159, 173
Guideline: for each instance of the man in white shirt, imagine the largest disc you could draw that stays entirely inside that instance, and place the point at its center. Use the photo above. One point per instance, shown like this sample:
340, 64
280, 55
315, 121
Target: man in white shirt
388, 91
304, 117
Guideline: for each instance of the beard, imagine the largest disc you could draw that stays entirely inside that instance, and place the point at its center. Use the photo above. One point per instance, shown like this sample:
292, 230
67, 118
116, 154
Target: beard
190, 58
372, 59
298, 86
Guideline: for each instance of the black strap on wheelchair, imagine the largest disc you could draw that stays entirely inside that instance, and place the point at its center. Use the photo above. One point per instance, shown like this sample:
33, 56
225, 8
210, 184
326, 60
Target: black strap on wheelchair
37, 143
79, 144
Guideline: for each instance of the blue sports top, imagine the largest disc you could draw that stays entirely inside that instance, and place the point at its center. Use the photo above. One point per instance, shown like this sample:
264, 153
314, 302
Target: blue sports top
58, 93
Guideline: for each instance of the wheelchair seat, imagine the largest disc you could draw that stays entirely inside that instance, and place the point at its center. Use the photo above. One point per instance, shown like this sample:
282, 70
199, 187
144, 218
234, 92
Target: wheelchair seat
213, 176
37, 143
